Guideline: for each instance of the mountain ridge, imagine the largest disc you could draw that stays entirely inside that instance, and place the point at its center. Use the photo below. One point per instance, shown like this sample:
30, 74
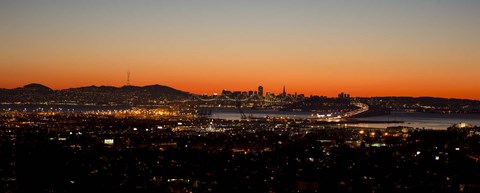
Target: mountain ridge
35, 93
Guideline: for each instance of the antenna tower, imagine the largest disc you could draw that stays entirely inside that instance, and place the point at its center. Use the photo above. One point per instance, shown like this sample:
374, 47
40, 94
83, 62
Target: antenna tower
128, 78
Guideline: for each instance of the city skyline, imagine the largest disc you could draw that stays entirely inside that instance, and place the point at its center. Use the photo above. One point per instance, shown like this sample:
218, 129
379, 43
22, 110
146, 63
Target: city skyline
372, 48
258, 91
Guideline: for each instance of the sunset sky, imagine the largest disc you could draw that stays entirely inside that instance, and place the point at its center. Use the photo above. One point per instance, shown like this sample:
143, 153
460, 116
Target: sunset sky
364, 48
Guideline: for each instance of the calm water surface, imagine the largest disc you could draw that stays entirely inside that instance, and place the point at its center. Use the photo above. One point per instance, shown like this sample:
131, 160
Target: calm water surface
421, 120
411, 119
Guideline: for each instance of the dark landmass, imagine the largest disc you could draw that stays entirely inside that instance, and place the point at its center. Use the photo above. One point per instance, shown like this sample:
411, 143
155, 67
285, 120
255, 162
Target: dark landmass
420, 104
158, 95
99, 95
316, 103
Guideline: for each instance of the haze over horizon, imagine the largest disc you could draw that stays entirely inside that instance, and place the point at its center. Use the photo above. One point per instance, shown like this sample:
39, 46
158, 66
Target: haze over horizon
219, 92
368, 48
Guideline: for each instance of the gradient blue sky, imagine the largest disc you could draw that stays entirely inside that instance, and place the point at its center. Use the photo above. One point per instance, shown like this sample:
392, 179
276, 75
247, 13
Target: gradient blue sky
366, 48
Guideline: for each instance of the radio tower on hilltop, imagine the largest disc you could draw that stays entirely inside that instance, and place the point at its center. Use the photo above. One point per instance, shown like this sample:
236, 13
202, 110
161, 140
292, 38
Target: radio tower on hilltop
128, 78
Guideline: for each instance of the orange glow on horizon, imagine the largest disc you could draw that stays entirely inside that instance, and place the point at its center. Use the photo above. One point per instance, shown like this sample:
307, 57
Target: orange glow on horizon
311, 47
325, 90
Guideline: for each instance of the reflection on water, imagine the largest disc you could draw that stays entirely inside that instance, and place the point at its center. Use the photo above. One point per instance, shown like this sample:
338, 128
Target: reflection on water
415, 120
235, 114
421, 120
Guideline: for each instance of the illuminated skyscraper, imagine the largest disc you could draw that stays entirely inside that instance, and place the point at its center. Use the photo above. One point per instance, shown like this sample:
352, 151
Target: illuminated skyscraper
260, 90
343, 96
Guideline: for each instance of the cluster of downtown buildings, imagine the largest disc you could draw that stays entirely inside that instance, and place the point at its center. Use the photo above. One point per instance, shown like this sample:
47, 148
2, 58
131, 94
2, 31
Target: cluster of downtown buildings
260, 92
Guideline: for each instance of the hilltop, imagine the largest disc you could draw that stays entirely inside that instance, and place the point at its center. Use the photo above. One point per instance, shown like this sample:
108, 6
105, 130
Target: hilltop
100, 95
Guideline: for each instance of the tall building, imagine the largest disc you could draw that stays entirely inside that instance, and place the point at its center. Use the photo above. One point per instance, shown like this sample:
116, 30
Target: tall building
343, 96
269, 96
226, 92
260, 90
284, 93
